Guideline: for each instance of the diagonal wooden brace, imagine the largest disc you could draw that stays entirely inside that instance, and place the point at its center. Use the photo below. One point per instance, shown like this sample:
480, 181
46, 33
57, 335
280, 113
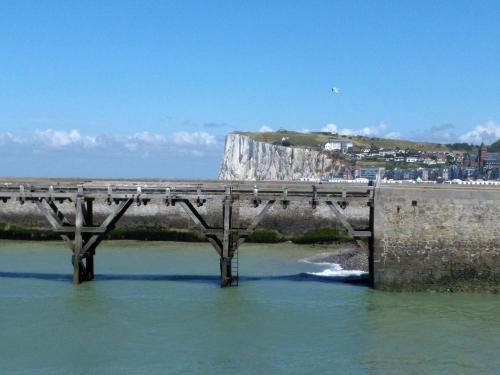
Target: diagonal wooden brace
255, 222
200, 222
55, 221
354, 234
106, 227
58, 213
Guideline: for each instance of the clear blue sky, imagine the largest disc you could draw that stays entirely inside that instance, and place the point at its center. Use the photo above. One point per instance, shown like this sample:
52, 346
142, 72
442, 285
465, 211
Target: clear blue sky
149, 88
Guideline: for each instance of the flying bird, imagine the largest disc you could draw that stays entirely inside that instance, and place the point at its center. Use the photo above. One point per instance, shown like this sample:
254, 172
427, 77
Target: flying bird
335, 90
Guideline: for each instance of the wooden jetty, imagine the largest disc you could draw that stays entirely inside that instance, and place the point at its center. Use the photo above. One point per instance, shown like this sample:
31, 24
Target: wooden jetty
84, 235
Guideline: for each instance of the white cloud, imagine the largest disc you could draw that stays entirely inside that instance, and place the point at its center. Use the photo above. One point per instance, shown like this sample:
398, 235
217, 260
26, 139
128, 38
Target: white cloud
332, 128
442, 133
150, 138
265, 129
195, 138
366, 131
9, 138
57, 138
488, 133
144, 143
393, 135
305, 131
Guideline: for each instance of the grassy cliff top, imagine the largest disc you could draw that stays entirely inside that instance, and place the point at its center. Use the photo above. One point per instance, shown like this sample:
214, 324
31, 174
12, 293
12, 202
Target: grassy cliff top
314, 139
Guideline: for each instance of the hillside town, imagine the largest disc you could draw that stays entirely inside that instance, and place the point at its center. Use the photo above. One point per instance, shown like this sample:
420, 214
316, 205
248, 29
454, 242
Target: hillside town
415, 165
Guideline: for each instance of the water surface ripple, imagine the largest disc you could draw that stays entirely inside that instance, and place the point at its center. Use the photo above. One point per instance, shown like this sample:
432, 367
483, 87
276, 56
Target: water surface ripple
156, 308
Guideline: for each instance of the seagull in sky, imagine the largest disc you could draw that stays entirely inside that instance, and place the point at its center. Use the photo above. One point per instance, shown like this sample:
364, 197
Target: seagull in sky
335, 90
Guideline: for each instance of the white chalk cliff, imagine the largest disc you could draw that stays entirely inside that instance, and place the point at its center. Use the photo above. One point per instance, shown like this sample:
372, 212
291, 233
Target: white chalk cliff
248, 159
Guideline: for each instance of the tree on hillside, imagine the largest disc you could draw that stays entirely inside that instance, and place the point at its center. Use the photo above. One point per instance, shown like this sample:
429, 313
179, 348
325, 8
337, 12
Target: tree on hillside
494, 147
461, 146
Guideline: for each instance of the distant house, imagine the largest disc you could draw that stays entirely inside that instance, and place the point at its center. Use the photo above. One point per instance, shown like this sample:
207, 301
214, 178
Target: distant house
446, 173
285, 141
388, 152
337, 145
429, 161
492, 160
411, 159
469, 161
369, 173
425, 174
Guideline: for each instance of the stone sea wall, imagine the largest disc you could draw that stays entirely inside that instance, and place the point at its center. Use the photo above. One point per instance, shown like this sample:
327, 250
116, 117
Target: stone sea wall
296, 219
247, 159
437, 239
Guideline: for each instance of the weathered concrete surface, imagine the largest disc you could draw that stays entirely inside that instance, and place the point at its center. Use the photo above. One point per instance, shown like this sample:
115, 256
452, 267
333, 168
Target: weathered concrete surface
437, 239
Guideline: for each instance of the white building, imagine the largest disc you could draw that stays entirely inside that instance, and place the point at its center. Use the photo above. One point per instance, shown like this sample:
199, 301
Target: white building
337, 145
411, 159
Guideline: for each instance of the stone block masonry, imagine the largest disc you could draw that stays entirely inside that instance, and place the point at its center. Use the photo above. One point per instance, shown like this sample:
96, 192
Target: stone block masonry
429, 238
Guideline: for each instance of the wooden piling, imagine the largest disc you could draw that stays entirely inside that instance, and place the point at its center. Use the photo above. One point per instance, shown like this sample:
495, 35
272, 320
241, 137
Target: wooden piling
89, 257
226, 277
78, 241
227, 243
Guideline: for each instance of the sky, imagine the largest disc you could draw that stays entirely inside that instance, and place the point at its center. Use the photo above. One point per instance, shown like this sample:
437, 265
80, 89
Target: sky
150, 88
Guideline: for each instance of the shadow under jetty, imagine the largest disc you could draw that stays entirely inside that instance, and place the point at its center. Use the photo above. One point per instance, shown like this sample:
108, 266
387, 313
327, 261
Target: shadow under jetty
209, 279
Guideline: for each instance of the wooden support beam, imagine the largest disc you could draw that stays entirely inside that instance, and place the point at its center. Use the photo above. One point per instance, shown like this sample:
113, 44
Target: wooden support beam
255, 222
212, 235
55, 222
71, 229
340, 216
226, 276
215, 243
227, 243
107, 226
193, 213
227, 212
89, 256
49, 215
350, 230
63, 220
78, 241
89, 267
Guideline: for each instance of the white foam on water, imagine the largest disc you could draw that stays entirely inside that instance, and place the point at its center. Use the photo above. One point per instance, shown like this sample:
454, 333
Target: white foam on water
332, 270
312, 260
338, 272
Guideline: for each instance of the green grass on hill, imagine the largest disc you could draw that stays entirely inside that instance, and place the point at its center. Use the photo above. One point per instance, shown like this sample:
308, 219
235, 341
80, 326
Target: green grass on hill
494, 147
313, 140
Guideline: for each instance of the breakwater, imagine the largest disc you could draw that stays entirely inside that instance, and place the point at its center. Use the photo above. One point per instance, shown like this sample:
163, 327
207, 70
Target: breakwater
437, 238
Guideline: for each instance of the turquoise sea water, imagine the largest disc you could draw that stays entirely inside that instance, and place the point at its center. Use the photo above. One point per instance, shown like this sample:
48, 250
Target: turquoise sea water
156, 308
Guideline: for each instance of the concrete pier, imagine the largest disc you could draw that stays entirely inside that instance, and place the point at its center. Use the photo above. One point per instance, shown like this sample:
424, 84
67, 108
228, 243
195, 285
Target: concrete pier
437, 238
